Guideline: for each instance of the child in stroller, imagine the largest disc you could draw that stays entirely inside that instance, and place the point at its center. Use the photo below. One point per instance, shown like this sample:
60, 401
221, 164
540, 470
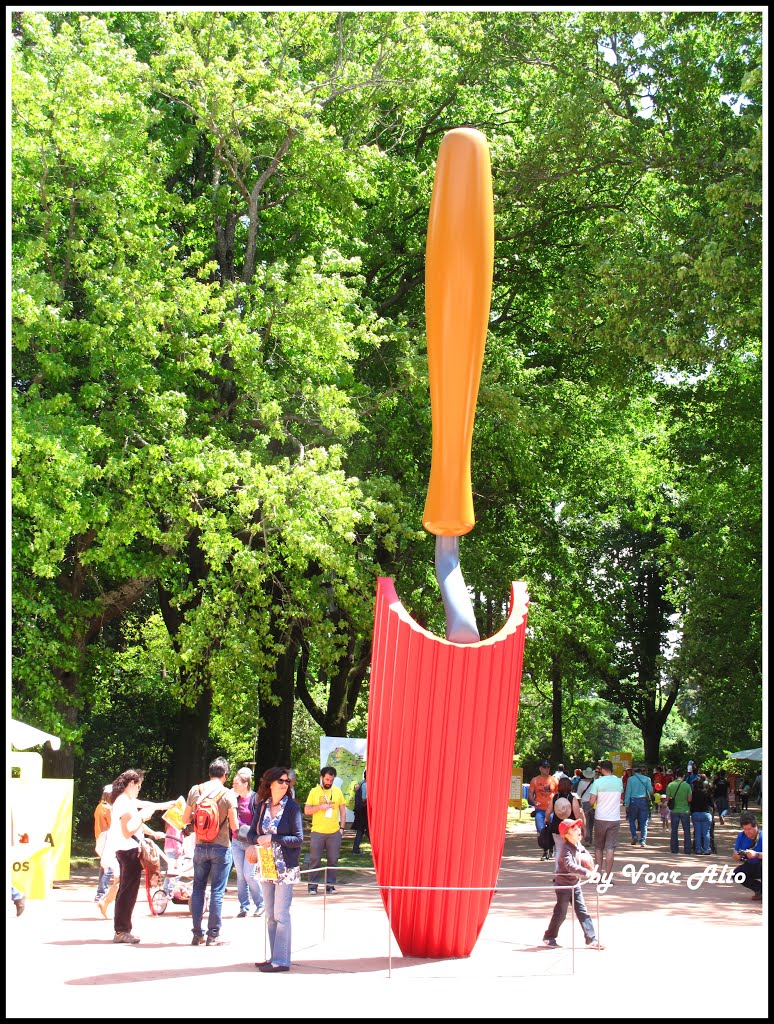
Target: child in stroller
178, 878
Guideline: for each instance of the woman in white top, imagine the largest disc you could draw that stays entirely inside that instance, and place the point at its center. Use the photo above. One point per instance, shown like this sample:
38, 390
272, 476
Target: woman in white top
127, 825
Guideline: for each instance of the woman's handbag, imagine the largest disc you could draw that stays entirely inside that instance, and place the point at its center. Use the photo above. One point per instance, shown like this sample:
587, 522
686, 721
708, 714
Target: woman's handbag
149, 856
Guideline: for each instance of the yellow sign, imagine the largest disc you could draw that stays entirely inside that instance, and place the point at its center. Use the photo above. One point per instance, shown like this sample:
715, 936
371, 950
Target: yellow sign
41, 816
174, 814
32, 870
266, 862
517, 783
622, 761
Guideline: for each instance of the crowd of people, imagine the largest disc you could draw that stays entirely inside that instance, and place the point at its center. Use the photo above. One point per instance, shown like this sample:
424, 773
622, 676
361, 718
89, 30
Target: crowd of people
588, 805
258, 833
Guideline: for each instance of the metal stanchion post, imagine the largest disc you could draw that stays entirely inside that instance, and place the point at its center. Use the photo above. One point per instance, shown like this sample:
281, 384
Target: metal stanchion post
389, 933
572, 895
599, 940
325, 897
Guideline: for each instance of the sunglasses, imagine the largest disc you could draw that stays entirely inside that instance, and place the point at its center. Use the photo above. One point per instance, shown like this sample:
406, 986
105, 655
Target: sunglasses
283, 782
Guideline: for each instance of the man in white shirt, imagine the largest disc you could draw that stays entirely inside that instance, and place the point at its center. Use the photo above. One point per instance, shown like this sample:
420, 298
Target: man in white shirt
606, 797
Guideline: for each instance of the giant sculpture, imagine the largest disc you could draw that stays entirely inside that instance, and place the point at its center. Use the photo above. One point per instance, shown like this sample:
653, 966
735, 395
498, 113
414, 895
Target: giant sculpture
442, 712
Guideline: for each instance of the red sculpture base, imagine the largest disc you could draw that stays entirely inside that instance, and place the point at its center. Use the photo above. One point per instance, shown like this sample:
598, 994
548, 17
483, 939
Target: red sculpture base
441, 728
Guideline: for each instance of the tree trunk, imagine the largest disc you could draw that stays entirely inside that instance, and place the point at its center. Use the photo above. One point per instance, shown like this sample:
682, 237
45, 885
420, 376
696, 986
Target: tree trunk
191, 750
557, 737
272, 746
652, 740
60, 764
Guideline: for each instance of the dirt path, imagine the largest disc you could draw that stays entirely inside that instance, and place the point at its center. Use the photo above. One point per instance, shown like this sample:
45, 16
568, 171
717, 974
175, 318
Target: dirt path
62, 963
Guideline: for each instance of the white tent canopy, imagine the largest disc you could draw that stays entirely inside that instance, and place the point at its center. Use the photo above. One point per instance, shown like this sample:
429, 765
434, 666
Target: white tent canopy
755, 754
23, 737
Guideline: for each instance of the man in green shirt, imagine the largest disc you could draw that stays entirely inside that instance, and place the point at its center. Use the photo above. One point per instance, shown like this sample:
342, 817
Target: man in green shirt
679, 795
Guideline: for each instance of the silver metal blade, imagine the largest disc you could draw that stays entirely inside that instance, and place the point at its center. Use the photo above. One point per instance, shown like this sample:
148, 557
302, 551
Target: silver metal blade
460, 621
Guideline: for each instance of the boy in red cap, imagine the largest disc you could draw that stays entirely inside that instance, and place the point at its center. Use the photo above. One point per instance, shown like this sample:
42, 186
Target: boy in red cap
573, 863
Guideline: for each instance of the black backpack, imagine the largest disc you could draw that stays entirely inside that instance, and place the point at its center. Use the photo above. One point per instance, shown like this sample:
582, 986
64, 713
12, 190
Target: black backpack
545, 839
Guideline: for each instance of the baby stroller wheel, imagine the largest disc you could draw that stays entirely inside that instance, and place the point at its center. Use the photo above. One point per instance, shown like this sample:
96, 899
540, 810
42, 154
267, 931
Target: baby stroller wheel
159, 901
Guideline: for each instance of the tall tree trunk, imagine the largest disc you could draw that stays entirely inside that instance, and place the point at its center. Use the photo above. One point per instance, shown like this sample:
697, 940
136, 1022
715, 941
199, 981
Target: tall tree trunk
272, 746
190, 756
191, 750
60, 764
557, 736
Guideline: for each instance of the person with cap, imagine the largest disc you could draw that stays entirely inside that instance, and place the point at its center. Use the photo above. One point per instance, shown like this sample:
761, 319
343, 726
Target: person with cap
542, 789
582, 793
637, 798
102, 813
248, 885
573, 865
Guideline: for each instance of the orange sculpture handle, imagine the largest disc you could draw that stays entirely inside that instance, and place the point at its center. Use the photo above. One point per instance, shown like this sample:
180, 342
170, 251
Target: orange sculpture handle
458, 291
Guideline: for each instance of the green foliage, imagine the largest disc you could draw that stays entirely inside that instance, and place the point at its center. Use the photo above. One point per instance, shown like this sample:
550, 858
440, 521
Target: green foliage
221, 430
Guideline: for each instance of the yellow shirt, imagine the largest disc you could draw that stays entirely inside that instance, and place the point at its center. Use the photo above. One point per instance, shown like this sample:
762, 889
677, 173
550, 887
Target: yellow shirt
327, 821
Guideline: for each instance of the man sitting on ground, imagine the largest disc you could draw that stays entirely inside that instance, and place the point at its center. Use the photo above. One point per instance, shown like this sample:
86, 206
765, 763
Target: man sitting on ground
748, 850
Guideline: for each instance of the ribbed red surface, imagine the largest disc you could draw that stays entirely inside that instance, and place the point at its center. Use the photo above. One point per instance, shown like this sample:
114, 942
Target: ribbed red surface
441, 728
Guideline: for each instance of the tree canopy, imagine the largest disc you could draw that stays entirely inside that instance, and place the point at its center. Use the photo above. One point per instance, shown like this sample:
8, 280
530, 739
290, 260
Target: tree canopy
220, 417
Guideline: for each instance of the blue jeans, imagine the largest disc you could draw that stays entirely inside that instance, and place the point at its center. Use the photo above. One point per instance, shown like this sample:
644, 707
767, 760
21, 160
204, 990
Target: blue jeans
210, 863
638, 815
564, 897
702, 822
169, 881
103, 882
277, 897
247, 884
685, 821
540, 820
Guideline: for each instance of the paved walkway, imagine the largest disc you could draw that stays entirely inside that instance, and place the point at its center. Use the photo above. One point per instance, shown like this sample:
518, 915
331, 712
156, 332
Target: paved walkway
62, 963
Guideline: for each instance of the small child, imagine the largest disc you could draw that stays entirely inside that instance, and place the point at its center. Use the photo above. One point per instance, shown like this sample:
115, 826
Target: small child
663, 810
173, 848
574, 864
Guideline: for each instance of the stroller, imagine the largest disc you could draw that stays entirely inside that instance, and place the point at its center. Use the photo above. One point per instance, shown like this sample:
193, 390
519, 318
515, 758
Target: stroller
176, 884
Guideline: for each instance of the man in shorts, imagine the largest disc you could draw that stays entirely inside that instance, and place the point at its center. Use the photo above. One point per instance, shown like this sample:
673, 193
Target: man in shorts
606, 797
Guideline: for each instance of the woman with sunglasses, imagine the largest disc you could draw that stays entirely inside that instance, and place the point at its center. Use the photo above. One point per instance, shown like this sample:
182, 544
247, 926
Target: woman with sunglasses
277, 824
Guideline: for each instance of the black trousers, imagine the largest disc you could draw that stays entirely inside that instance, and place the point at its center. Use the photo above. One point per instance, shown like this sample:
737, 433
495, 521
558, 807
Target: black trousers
131, 872
752, 874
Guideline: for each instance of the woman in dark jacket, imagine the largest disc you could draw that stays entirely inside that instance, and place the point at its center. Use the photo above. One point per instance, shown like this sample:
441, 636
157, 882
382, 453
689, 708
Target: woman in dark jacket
277, 826
702, 814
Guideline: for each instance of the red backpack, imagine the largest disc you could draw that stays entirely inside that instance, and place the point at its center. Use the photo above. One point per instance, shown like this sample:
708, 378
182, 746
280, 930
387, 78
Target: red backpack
206, 817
